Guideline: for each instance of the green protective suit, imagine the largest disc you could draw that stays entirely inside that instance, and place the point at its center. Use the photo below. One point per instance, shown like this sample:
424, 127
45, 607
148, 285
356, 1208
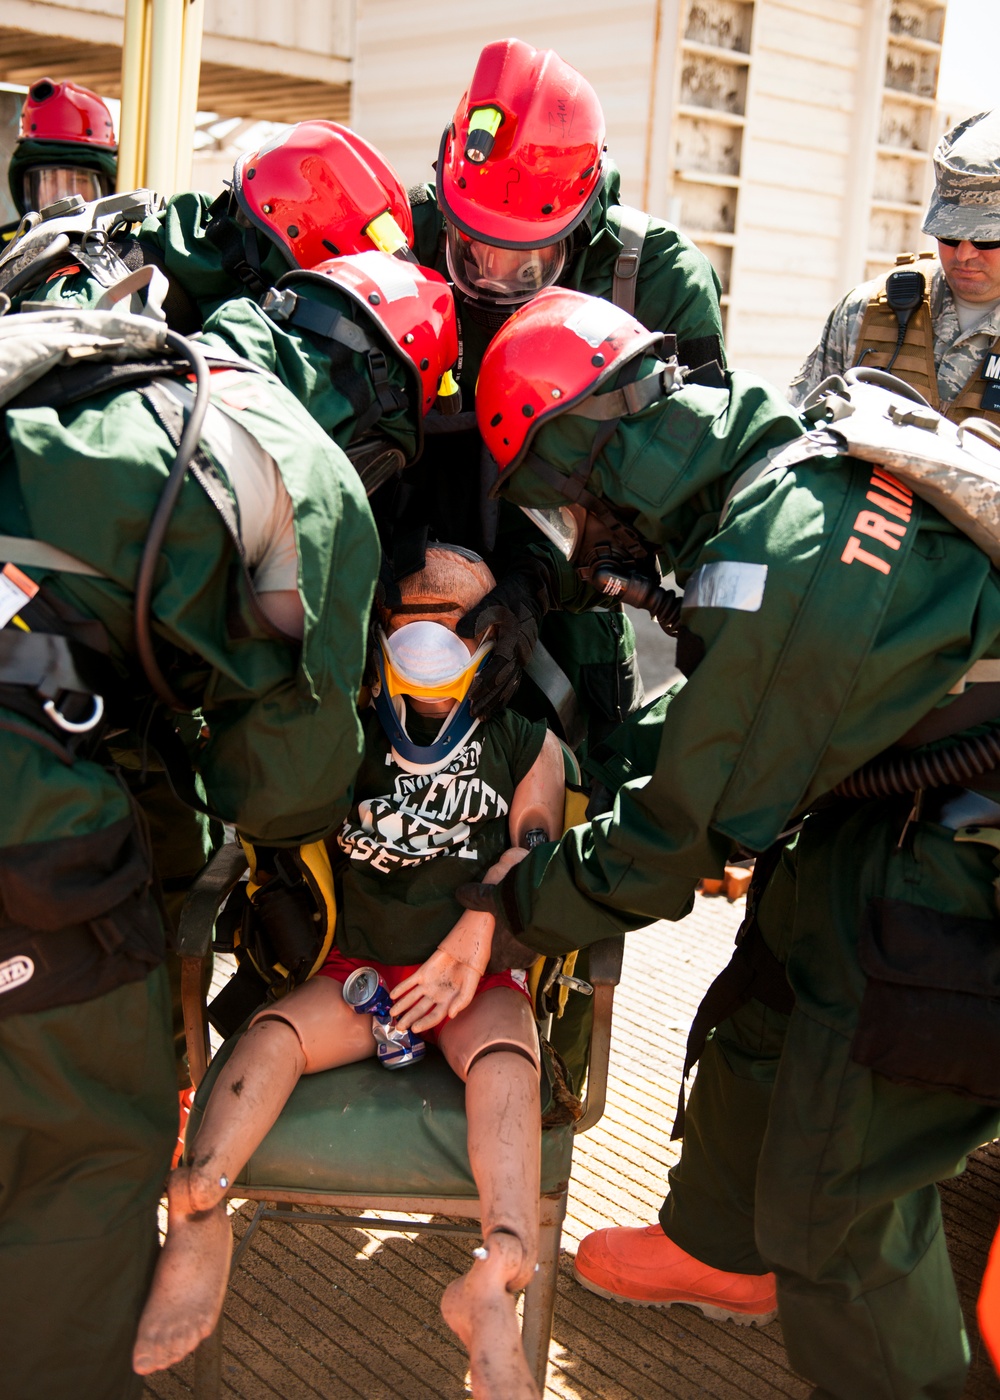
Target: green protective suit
179, 239
816, 1160
90, 1112
182, 839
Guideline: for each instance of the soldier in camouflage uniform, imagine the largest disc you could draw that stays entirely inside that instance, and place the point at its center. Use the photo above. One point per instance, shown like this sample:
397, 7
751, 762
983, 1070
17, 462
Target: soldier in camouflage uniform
949, 347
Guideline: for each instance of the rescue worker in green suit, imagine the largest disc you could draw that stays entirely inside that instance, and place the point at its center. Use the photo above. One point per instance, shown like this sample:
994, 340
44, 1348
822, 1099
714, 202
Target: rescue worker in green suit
194, 284
66, 146
523, 200
519, 203
258, 610
829, 613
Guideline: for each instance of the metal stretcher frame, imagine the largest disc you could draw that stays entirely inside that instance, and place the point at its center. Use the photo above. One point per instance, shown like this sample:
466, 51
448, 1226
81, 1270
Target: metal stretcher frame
194, 942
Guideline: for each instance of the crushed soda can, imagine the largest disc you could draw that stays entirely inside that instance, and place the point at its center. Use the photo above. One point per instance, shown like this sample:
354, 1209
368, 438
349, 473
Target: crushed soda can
366, 991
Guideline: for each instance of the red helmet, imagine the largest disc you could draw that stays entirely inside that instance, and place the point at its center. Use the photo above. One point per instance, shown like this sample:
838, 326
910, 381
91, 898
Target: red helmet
319, 191
522, 162
552, 354
66, 112
411, 305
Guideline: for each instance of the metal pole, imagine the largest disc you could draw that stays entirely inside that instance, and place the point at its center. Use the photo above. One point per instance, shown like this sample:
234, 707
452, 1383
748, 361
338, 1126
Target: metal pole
131, 151
166, 42
194, 23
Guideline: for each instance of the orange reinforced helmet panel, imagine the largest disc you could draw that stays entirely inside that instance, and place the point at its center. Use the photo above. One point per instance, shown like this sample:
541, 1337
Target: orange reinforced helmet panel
552, 354
66, 112
320, 191
522, 162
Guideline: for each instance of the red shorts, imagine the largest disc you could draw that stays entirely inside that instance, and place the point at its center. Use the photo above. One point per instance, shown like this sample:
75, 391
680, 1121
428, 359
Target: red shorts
340, 968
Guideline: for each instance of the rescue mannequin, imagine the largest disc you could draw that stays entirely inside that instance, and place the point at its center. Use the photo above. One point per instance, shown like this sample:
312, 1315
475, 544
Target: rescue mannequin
400, 861
830, 612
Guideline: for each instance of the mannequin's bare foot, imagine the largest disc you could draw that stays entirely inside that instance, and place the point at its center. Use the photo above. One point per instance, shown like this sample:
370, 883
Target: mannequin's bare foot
189, 1285
480, 1309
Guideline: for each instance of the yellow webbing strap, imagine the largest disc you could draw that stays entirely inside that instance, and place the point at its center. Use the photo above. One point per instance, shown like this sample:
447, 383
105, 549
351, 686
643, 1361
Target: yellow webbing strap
574, 814
318, 874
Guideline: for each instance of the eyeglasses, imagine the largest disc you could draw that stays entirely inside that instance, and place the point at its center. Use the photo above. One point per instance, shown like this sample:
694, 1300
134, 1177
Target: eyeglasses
981, 245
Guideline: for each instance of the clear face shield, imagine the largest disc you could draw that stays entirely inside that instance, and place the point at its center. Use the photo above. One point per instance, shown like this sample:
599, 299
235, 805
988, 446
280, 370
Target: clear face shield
561, 524
44, 184
427, 660
502, 276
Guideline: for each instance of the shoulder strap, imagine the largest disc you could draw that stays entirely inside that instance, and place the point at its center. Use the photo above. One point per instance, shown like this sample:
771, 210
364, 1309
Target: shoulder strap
632, 227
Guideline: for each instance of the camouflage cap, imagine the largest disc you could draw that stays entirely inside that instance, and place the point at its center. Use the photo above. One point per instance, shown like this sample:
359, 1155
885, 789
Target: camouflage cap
966, 199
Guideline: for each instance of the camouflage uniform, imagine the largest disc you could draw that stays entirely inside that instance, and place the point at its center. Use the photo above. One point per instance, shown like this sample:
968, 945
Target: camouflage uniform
965, 204
957, 353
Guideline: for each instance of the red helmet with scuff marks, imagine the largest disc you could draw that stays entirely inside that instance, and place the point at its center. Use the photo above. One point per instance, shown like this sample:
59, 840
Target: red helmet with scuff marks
412, 306
552, 354
522, 162
320, 191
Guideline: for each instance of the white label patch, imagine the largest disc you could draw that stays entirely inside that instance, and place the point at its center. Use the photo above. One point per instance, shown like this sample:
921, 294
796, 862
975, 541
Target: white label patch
14, 972
16, 589
393, 277
727, 585
596, 322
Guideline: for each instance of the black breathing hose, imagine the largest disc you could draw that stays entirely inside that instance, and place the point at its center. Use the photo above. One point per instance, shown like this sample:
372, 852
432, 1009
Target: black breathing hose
892, 775
662, 604
194, 419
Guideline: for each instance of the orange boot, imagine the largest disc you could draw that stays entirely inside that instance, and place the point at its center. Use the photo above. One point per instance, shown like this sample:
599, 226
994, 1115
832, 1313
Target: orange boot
988, 1308
644, 1266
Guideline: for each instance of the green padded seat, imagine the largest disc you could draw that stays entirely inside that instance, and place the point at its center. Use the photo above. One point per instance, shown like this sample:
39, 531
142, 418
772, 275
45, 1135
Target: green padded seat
364, 1129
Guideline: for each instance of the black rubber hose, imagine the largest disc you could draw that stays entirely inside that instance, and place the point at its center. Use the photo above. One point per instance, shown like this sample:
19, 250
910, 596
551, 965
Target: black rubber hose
892, 775
194, 419
663, 605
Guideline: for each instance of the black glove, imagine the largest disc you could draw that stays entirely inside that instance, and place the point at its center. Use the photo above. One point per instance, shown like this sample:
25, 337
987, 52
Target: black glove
499, 900
514, 609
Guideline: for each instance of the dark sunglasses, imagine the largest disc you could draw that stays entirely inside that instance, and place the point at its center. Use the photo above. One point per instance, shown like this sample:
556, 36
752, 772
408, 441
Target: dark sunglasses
981, 245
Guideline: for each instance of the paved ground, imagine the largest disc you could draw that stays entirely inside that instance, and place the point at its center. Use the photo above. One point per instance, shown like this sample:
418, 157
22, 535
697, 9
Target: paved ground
314, 1314
655, 650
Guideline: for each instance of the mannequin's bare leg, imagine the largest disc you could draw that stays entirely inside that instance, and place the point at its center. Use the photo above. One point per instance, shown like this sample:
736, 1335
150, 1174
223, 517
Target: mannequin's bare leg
321, 1031
501, 1099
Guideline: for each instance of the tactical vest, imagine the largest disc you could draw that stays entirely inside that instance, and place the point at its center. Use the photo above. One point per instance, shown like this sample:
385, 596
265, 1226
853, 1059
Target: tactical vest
915, 361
